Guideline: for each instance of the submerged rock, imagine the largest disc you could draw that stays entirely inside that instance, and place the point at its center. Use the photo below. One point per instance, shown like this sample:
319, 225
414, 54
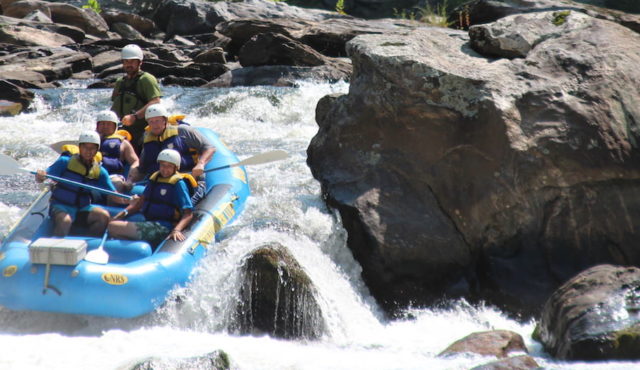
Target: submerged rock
217, 360
498, 343
277, 297
594, 316
512, 363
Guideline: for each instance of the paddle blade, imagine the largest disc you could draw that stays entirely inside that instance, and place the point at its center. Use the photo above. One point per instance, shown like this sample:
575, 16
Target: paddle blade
267, 157
9, 166
58, 146
98, 256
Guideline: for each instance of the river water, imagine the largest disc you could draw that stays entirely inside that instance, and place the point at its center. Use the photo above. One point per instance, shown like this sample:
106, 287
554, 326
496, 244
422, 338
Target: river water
286, 207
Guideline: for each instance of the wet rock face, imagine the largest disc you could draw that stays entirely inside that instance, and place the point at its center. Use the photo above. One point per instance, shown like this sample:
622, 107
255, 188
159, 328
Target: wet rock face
594, 316
13, 93
277, 297
459, 173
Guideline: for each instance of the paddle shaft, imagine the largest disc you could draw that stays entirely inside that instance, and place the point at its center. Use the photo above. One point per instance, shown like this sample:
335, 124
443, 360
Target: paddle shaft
267, 157
86, 186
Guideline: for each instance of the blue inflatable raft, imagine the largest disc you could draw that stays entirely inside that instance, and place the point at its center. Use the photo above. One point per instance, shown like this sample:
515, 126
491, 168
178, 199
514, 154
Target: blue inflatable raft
45, 274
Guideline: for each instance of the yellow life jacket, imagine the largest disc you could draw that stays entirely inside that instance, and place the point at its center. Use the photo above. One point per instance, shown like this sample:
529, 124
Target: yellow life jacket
76, 165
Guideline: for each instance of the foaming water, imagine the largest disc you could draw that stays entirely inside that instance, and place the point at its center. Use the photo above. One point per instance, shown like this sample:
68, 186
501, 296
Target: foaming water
285, 208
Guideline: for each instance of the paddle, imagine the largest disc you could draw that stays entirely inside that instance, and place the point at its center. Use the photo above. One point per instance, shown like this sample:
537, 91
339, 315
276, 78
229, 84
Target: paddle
99, 255
58, 146
274, 155
9, 166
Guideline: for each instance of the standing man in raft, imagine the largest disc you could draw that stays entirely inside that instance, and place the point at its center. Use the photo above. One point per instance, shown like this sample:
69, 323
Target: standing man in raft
133, 93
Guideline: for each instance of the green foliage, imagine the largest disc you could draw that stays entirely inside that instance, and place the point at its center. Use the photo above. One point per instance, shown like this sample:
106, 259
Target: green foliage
435, 17
536, 333
560, 18
340, 7
93, 5
404, 14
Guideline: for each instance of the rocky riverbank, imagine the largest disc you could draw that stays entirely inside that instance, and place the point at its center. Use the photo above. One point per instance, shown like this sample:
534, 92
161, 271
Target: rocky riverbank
188, 43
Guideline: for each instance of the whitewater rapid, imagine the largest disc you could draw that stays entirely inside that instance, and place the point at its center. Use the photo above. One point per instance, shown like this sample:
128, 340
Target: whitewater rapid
286, 207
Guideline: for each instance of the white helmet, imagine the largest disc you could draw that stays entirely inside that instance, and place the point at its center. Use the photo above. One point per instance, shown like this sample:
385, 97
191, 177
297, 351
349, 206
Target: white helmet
107, 115
171, 156
89, 137
131, 51
155, 110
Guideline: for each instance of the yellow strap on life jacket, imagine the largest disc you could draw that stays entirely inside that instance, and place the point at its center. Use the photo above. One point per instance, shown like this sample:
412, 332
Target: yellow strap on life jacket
115, 136
168, 132
174, 178
173, 119
75, 165
125, 134
72, 149
187, 177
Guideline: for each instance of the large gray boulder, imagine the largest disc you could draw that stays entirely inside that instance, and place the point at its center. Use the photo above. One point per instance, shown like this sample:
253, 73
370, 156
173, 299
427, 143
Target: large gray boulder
594, 316
90, 21
32, 64
55, 29
460, 174
277, 49
28, 36
20, 9
184, 17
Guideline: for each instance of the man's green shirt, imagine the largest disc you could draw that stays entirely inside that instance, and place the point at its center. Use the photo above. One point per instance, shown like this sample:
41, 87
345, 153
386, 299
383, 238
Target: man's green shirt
129, 95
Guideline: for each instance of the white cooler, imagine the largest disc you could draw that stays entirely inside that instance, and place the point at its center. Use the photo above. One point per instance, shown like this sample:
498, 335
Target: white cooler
57, 251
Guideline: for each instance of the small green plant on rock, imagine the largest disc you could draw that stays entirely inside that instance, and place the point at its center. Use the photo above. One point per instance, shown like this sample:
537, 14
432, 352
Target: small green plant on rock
340, 7
434, 16
404, 14
93, 5
560, 18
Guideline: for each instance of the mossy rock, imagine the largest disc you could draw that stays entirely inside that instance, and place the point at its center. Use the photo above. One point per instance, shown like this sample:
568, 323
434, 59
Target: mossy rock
627, 342
560, 18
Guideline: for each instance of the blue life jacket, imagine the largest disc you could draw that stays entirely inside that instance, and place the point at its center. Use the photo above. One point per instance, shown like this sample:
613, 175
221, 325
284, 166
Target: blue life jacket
161, 204
169, 139
110, 149
78, 172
